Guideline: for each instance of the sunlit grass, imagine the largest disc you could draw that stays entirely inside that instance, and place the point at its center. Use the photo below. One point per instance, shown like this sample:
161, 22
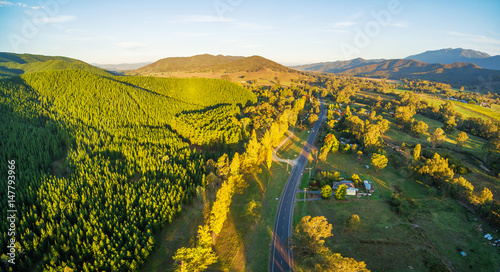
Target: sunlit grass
442, 223
292, 148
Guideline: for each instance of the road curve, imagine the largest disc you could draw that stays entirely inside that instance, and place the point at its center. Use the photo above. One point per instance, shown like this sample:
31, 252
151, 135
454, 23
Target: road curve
281, 258
275, 151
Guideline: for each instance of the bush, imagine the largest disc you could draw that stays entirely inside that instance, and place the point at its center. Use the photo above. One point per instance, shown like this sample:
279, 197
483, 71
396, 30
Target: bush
395, 201
326, 192
355, 178
353, 222
341, 192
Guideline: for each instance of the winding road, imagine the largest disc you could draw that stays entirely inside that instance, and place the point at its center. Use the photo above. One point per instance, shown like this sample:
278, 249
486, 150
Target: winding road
281, 258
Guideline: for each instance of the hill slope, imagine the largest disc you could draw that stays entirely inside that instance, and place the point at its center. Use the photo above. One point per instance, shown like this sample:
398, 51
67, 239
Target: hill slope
106, 161
242, 69
489, 63
252, 64
193, 63
449, 56
16, 64
335, 67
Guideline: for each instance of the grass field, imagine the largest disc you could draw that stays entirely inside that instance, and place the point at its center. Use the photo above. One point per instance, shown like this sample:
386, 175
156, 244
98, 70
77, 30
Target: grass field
181, 232
467, 110
397, 137
292, 148
243, 245
258, 240
478, 176
431, 237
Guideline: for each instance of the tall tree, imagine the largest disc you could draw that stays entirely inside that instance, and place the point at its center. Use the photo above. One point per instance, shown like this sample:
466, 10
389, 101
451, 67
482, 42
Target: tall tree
341, 192
419, 128
404, 114
222, 167
461, 139
353, 222
326, 191
310, 234
437, 168
379, 161
416, 152
356, 126
485, 196
449, 124
251, 156
437, 137
197, 258
313, 117
383, 126
372, 139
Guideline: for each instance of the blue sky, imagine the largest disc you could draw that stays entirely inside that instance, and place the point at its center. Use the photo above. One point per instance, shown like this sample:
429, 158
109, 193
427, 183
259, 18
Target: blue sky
290, 32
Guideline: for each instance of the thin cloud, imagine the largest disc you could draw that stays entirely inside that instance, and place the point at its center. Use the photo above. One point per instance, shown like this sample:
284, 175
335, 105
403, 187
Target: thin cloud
22, 5
400, 24
202, 19
131, 45
59, 19
343, 24
5, 4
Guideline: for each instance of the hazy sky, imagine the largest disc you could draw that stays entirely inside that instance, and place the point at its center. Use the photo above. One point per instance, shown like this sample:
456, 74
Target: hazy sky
290, 32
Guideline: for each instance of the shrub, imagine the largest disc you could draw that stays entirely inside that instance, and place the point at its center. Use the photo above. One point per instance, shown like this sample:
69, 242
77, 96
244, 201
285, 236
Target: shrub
326, 192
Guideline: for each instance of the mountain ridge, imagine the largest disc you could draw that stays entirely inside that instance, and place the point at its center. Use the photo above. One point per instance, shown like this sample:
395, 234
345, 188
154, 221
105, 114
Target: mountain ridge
192, 63
12, 64
452, 55
207, 62
457, 73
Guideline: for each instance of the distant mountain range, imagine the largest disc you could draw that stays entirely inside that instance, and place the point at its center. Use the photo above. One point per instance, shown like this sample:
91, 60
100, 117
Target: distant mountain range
463, 72
256, 69
337, 66
449, 56
121, 66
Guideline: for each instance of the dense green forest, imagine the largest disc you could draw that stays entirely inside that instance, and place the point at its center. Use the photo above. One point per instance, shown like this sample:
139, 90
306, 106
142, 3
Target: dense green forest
16, 64
101, 163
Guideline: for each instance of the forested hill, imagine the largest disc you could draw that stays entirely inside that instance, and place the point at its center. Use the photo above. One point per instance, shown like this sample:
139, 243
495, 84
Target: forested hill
103, 162
225, 64
253, 64
16, 64
193, 63
113, 102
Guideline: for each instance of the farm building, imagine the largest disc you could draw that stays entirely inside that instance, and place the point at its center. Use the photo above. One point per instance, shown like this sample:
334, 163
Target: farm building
351, 189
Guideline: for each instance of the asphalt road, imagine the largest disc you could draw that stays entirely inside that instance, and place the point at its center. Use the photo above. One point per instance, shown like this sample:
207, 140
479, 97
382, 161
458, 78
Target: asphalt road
281, 256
